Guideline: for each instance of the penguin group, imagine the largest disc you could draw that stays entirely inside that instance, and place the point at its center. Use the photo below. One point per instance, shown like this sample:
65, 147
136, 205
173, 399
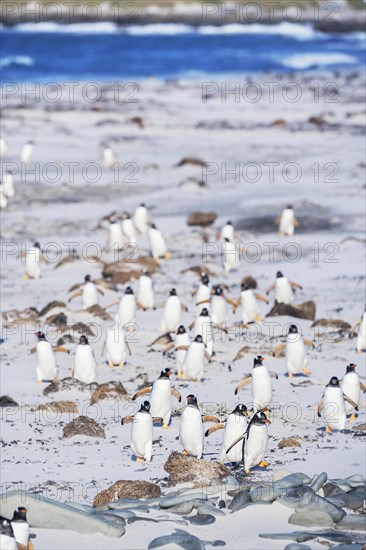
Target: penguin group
15, 532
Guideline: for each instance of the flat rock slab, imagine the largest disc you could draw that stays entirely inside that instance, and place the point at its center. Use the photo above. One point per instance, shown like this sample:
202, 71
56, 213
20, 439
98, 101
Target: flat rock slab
311, 519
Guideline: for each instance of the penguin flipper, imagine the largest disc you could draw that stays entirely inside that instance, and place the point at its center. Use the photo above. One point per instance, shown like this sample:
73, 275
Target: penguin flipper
262, 298
242, 437
171, 346
210, 431
176, 394
272, 287
75, 295
273, 374
363, 387
100, 291
309, 343
162, 339
246, 380
278, 349
277, 219
127, 420
350, 401
296, 222
220, 327
295, 285
142, 392
210, 418
320, 407
61, 348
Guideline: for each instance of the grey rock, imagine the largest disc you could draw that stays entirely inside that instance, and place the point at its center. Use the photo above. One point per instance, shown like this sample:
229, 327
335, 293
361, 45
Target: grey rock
266, 493
182, 508
125, 514
303, 499
202, 519
240, 499
331, 489
296, 546
169, 501
209, 509
352, 522
311, 519
294, 496
304, 536
318, 482
180, 538
50, 514
354, 499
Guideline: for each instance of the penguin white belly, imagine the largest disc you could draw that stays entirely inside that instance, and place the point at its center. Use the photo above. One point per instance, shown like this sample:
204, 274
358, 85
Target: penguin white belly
157, 243
32, 263
255, 446
3, 199
129, 230
284, 292
126, 310
261, 388
85, 368
231, 255
191, 431
140, 219
181, 340
108, 158
249, 307
194, 361
141, 436
26, 153
227, 232
21, 532
116, 237
296, 359
145, 293
203, 326
161, 400
90, 295
115, 345
235, 427
350, 386
8, 543
46, 361
361, 336
172, 314
8, 186
287, 226
203, 298
218, 309
334, 410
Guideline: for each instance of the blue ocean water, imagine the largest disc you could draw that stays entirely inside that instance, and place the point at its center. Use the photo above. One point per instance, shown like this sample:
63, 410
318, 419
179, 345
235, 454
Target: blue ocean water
102, 51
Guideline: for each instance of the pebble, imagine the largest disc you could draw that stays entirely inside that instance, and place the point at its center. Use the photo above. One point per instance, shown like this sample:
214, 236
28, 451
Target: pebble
318, 481
240, 500
311, 519
180, 538
296, 546
202, 519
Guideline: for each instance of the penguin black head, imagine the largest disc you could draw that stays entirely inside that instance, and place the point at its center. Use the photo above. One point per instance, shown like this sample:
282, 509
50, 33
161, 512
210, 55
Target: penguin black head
87, 278
173, 292
204, 278
145, 407
351, 368
40, 336
192, 400
20, 514
181, 330
293, 329
229, 223
143, 205
289, 206
218, 290
113, 220
260, 419
198, 339
128, 290
37, 245
83, 340
334, 382
240, 410
30, 142
204, 312
165, 374
279, 274
258, 361
244, 286
153, 226
6, 529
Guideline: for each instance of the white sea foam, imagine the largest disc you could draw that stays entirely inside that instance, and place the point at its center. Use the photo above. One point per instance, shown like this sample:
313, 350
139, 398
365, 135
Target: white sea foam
309, 60
16, 60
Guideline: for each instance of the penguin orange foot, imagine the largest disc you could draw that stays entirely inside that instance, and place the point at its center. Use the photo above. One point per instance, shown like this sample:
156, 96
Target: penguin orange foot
306, 371
139, 459
263, 464
353, 416
165, 426
328, 430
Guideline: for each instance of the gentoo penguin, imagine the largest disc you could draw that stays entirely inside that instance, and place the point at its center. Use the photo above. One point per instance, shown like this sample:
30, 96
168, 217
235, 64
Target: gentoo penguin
158, 245
116, 346
218, 306
128, 229
3, 198
141, 218
26, 152
255, 442
172, 312
161, 397
261, 384
283, 289
33, 259
333, 407
352, 387
20, 527
8, 184
85, 366
116, 238
203, 326
296, 357
287, 222
235, 426
191, 428
203, 294
181, 345
231, 255
126, 309
145, 292
46, 360
194, 360
361, 335
249, 306
227, 232
108, 157
7, 539
141, 433
89, 293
